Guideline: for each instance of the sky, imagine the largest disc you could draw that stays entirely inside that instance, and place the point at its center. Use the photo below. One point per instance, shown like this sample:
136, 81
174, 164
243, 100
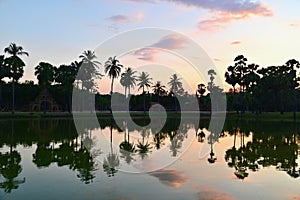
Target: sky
58, 31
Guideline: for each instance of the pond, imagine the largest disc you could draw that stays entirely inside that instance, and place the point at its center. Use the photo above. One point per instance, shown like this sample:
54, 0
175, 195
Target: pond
51, 159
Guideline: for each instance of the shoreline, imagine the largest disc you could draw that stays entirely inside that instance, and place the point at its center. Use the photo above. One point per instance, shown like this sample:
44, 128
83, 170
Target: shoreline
231, 115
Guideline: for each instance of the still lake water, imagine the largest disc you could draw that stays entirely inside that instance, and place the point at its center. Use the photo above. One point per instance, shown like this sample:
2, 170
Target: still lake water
47, 159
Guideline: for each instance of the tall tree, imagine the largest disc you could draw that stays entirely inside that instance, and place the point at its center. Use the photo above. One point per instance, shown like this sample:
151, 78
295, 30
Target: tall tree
16, 66
293, 65
113, 69
176, 85
3, 73
45, 73
65, 76
128, 79
144, 81
88, 69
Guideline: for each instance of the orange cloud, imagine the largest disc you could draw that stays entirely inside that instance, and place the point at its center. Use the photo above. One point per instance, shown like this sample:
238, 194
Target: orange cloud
170, 178
236, 42
295, 197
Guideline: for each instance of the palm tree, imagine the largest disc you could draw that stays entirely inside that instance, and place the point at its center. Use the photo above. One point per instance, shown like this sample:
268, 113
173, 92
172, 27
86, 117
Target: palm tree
144, 81
16, 65
113, 68
175, 85
128, 80
45, 73
158, 89
88, 69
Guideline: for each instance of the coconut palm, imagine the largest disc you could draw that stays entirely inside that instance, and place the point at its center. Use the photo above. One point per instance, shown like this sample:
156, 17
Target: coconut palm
88, 69
175, 85
144, 81
158, 89
16, 66
45, 73
113, 69
128, 80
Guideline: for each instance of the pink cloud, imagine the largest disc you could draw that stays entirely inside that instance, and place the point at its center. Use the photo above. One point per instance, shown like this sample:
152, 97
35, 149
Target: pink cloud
170, 178
146, 54
169, 42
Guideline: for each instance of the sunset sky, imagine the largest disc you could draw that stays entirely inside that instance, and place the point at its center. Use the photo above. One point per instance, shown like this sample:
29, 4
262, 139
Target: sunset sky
58, 31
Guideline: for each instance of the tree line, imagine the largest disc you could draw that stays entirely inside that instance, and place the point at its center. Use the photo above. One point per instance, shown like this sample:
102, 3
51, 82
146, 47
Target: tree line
254, 88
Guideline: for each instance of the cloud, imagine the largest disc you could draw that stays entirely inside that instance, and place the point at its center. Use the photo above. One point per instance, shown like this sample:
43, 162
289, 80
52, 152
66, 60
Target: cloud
295, 197
146, 54
122, 19
139, 16
213, 193
169, 42
236, 43
170, 178
223, 11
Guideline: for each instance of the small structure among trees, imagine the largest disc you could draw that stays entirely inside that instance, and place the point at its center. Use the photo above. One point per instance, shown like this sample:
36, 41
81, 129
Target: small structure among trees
44, 102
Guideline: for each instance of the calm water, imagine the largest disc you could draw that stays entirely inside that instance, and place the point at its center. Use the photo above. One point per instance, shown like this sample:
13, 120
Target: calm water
47, 159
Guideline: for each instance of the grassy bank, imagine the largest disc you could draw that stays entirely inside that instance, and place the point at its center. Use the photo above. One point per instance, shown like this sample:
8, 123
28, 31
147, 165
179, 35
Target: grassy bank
271, 116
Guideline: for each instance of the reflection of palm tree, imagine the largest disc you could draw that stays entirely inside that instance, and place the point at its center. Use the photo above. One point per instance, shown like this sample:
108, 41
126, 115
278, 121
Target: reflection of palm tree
112, 160
113, 68
16, 66
10, 168
128, 80
143, 149
144, 81
212, 158
127, 148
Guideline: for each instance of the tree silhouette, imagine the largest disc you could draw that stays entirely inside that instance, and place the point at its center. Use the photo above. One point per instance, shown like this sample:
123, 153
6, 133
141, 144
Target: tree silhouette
4, 69
144, 81
88, 69
176, 85
113, 69
128, 80
45, 73
16, 66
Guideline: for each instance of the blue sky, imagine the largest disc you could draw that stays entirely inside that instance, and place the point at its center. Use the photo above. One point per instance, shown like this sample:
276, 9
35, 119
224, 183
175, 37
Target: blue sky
58, 31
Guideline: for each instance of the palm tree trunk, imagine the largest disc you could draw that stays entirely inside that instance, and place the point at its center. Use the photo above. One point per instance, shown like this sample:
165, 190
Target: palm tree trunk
111, 92
13, 97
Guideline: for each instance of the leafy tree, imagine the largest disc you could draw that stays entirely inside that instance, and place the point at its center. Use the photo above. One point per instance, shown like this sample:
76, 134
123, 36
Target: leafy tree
45, 73
3, 73
16, 66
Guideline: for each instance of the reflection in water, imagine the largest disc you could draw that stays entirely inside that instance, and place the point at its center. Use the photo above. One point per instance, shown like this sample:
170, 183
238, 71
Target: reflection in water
279, 149
255, 145
10, 166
